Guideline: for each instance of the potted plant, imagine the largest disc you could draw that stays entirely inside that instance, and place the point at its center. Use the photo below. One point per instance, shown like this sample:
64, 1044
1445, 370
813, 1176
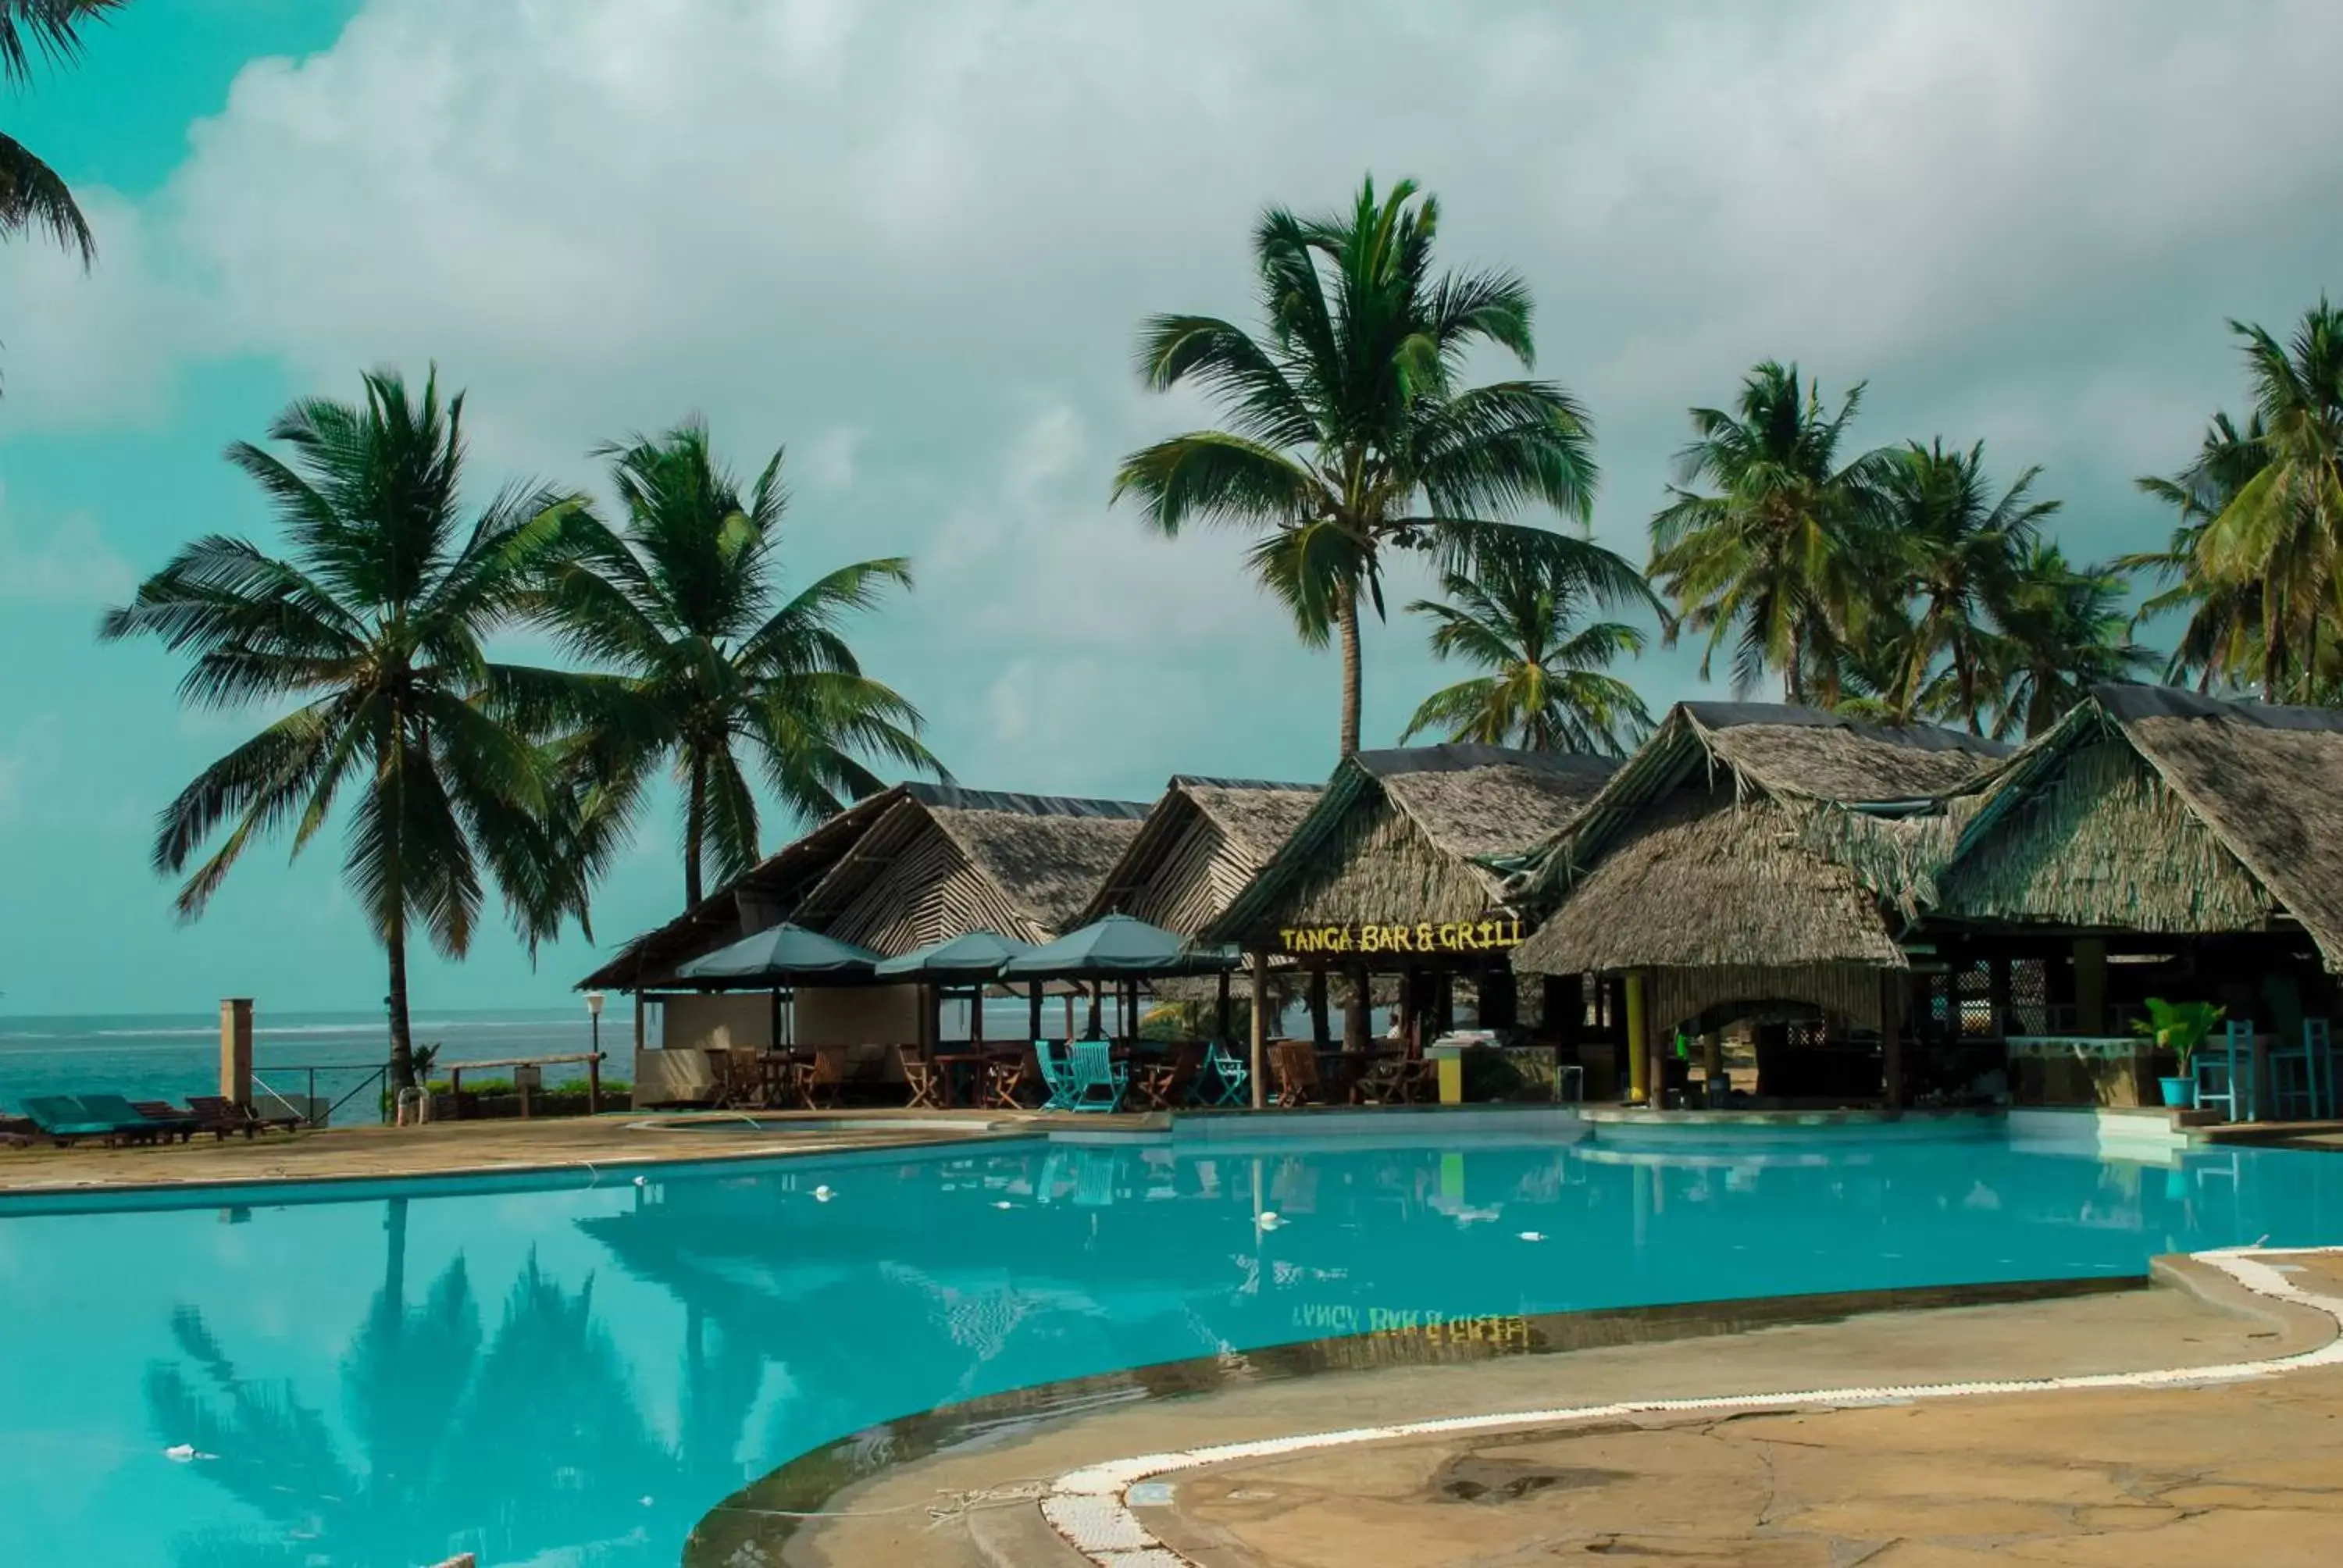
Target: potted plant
2179, 1028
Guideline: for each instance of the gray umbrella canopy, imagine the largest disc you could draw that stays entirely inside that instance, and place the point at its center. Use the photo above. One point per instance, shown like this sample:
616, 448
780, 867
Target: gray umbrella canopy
780, 954
978, 956
1119, 945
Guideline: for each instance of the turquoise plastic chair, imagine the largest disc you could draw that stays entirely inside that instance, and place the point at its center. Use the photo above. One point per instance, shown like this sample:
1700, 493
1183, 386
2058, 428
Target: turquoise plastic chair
1094, 1071
1057, 1076
1223, 1081
2302, 1074
2224, 1077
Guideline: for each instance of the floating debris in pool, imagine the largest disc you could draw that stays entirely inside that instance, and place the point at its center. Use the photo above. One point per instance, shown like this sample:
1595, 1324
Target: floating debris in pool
642, 1181
1003, 1204
1533, 1235
822, 1194
1270, 1220
184, 1453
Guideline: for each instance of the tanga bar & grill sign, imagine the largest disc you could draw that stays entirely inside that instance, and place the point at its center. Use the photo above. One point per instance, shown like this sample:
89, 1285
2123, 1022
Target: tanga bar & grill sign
1489, 935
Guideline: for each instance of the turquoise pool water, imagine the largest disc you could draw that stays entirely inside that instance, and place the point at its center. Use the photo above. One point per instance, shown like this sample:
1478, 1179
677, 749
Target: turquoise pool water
574, 1375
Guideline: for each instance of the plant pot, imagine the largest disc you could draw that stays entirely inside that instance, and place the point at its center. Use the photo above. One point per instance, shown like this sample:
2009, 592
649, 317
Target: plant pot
2178, 1092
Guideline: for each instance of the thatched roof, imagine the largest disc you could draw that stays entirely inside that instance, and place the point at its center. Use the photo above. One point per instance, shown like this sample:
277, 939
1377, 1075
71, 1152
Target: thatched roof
944, 860
1204, 839
1029, 862
1745, 833
762, 898
1408, 834
2153, 808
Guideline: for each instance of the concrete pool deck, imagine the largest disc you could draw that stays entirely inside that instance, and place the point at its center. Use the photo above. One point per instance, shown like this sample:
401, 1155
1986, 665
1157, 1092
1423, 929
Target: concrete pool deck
2139, 1477
507, 1147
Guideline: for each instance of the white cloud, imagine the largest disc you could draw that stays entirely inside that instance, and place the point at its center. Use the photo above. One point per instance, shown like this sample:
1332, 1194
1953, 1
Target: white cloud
70, 563
915, 242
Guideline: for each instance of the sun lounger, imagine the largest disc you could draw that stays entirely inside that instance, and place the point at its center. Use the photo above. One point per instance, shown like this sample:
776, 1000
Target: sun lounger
63, 1120
173, 1122
123, 1114
222, 1116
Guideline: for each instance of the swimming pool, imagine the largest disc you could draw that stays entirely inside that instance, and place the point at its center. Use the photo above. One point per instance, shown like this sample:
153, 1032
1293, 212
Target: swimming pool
576, 1374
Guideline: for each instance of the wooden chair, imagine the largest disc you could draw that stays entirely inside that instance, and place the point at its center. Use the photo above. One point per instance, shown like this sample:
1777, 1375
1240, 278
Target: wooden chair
741, 1085
1162, 1084
824, 1079
1009, 1081
1296, 1066
1384, 1082
922, 1078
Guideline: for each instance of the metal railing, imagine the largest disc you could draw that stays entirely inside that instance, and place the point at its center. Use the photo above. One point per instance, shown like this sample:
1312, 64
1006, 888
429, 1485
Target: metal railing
308, 1109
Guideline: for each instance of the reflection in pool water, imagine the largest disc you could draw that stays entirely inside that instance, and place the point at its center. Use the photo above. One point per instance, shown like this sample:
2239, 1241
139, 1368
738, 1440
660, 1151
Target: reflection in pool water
576, 1376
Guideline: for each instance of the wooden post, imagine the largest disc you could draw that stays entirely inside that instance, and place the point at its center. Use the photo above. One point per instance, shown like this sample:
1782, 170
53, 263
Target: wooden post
1641, 1084
1891, 1038
1260, 1026
1355, 1017
976, 1014
641, 1034
1033, 1009
1097, 1030
236, 1051
1321, 1036
1221, 1025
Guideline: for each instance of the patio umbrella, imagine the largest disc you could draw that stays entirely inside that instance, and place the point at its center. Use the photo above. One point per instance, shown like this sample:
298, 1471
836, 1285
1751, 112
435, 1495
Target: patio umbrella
783, 954
1119, 945
978, 956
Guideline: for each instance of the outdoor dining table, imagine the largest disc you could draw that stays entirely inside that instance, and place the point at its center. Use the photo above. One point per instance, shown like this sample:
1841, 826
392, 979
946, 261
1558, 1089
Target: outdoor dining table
952, 1064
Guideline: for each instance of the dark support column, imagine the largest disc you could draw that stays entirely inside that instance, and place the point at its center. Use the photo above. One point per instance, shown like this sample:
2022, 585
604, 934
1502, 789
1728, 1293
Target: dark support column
1033, 1009
1563, 1009
1321, 1035
1891, 1036
1220, 1024
1097, 1029
1355, 1016
1260, 1026
1444, 1001
2000, 992
1410, 1008
1500, 1002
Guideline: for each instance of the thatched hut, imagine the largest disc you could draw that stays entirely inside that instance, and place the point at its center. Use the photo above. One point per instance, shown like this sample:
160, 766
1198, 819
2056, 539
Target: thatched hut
912, 865
1396, 870
1749, 853
2154, 842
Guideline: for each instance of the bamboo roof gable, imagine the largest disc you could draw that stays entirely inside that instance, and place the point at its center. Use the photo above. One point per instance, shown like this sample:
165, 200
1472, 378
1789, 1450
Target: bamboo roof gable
762, 898
945, 861
1204, 840
2264, 783
1785, 753
1461, 805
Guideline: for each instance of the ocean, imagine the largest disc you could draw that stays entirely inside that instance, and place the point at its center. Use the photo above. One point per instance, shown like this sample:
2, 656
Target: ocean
167, 1056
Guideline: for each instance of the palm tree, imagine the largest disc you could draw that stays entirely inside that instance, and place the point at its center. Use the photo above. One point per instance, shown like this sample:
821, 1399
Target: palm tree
1781, 558
2221, 640
1348, 434
32, 197
2064, 632
2282, 533
373, 627
1965, 550
679, 604
1545, 690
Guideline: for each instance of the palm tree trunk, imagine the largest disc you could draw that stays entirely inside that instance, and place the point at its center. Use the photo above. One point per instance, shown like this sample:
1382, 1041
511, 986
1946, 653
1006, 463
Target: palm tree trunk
402, 1038
695, 825
1346, 625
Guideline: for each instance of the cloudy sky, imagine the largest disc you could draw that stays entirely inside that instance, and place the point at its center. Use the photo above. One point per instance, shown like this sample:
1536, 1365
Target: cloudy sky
913, 241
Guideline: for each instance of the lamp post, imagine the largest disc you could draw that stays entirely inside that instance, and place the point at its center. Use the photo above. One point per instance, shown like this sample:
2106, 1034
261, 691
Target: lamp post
594, 1068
